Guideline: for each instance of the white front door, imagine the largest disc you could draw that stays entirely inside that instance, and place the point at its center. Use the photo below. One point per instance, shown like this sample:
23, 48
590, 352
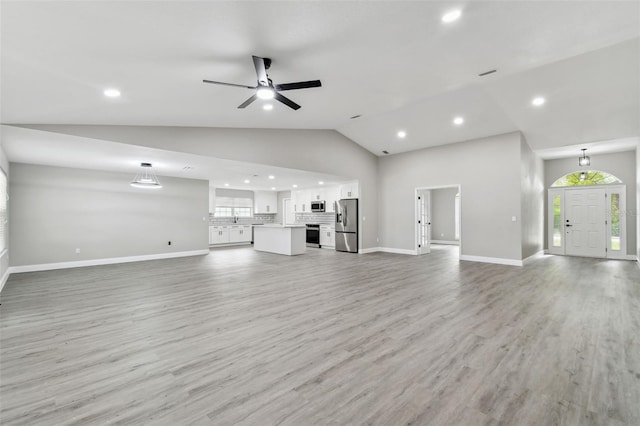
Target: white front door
585, 222
423, 220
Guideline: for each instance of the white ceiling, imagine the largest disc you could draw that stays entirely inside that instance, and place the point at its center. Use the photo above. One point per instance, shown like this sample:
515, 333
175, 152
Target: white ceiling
39, 147
393, 62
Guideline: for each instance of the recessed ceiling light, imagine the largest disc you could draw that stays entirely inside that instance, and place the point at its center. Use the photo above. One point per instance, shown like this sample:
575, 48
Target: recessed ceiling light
294, 185
265, 93
320, 182
272, 177
539, 101
267, 107
402, 134
458, 121
247, 181
112, 93
273, 188
226, 184
451, 16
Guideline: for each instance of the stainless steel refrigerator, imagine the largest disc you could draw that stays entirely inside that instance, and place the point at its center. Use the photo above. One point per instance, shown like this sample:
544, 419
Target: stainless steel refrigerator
347, 225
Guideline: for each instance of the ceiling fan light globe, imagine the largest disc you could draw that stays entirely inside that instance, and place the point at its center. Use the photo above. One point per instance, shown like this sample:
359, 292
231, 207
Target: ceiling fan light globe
265, 93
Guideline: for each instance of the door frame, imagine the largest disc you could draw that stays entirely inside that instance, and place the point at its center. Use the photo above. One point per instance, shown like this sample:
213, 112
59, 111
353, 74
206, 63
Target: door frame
608, 190
416, 234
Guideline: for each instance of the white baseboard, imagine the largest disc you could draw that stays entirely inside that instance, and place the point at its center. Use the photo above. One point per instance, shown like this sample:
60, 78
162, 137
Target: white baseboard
397, 251
452, 243
106, 261
369, 250
4, 279
242, 243
497, 260
533, 256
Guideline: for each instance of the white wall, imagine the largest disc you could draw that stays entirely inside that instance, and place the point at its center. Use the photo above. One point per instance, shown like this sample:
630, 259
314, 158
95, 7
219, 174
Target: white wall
4, 256
621, 164
443, 214
325, 151
488, 171
532, 201
55, 210
637, 212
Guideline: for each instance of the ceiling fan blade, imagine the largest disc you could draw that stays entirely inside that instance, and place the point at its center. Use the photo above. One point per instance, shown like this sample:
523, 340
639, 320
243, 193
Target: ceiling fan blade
228, 84
298, 85
288, 102
261, 71
248, 101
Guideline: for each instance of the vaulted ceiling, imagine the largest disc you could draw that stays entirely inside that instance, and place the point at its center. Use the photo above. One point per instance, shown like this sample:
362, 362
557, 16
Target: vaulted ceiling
394, 63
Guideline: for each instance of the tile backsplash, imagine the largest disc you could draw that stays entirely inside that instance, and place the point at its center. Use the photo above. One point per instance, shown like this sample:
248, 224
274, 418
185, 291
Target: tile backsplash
321, 218
255, 219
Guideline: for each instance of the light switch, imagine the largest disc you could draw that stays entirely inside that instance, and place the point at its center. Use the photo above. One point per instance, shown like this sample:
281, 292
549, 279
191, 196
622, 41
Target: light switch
513, 218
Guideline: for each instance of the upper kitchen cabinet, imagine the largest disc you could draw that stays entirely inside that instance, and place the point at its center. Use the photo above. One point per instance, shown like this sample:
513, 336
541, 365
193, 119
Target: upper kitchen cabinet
349, 190
265, 202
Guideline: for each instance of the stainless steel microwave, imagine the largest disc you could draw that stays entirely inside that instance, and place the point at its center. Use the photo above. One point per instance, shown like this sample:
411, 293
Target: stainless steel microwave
317, 206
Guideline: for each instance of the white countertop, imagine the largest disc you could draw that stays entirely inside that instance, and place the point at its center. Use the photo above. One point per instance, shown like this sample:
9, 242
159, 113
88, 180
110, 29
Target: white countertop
278, 225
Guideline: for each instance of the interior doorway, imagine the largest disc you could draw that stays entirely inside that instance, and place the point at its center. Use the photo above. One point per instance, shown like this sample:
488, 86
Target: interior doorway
587, 221
289, 216
437, 209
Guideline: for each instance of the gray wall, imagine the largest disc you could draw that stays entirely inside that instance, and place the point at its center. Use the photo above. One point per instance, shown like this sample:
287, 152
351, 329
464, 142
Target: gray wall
279, 217
532, 201
4, 256
55, 210
621, 164
637, 211
488, 171
443, 214
325, 151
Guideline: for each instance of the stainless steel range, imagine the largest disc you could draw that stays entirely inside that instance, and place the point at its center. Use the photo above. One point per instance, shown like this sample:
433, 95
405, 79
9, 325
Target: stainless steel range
313, 235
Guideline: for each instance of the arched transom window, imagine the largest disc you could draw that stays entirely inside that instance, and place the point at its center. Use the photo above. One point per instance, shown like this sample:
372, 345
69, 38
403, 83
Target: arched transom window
586, 177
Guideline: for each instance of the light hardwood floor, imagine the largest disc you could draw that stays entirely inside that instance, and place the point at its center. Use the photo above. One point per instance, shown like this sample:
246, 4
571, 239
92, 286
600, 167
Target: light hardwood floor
243, 337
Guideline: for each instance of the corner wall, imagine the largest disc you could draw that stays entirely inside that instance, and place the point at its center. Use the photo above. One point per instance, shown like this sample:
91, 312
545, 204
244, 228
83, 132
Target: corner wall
489, 172
532, 200
55, 210
4, 255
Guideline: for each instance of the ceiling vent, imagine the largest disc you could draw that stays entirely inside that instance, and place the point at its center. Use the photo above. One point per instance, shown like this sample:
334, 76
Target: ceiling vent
487, 73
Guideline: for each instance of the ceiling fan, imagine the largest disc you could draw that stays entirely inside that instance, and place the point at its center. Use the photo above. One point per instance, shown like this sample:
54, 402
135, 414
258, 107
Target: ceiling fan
266, 89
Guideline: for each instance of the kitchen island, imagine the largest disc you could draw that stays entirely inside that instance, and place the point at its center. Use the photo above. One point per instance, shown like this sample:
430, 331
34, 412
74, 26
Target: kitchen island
280, 239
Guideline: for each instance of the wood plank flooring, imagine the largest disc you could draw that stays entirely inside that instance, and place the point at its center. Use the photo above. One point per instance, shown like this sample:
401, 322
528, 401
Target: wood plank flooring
251, 338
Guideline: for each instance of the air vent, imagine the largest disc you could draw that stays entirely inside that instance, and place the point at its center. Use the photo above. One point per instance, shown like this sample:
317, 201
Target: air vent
486, 73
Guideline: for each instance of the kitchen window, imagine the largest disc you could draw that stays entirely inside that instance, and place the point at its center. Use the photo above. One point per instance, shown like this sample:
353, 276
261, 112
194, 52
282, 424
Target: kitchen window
232, 211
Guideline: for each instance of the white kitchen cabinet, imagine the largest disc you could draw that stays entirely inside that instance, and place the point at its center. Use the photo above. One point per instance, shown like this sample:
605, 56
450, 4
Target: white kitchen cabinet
301, 200
218, 235
331, 196
327, 236
349, 190
229, 234
239, 233
265, 202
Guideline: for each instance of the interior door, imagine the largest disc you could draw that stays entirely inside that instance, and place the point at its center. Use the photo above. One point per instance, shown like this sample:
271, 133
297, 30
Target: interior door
585, 222
423, 220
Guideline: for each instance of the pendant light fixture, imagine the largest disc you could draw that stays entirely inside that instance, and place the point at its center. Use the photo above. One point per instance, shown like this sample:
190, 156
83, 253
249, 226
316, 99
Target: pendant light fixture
146, 178
584, 160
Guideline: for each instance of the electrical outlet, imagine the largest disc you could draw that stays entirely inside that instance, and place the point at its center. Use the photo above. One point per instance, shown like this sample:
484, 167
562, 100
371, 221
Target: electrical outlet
169, 243
77, 251
442, 235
